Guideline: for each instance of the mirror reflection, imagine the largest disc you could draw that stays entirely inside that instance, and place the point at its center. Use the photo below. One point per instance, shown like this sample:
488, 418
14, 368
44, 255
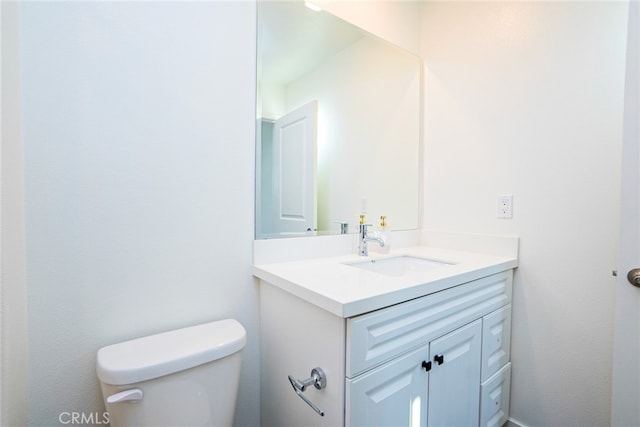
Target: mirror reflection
338, 125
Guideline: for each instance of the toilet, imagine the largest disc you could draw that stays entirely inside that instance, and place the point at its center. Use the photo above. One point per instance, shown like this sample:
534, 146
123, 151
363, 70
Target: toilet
185, 377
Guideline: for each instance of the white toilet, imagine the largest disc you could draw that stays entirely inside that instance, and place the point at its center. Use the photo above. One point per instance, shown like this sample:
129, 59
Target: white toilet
186, 377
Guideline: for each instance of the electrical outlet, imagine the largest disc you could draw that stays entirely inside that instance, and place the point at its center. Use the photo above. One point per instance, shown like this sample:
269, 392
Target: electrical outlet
505, 205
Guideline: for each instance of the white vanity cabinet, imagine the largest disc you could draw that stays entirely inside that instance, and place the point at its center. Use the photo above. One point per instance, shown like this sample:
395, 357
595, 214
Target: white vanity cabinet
438, 360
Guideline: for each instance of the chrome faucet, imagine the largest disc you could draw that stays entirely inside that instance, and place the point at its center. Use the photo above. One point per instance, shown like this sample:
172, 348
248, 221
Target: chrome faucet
363, 238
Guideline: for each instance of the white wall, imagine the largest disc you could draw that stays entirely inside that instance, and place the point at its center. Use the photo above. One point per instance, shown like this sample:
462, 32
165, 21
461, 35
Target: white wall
138, 138
526, 98
13, 308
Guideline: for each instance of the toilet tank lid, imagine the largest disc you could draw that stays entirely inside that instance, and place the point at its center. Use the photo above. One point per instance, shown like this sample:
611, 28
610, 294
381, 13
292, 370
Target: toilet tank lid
162, 354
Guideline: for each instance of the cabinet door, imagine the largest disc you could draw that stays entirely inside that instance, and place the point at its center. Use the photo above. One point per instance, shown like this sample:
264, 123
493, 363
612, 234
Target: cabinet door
392, 395
454, 380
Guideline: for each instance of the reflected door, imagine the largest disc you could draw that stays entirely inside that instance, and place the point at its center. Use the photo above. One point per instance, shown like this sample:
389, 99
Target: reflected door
294, 171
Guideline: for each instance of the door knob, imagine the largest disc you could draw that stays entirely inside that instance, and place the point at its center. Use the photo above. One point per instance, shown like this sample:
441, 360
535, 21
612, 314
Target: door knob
633, 276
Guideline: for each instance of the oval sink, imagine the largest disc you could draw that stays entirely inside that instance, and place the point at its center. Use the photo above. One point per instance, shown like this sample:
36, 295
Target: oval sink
398, 266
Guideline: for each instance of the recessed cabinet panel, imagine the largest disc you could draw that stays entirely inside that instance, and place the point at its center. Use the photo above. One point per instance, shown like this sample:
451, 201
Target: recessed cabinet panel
455, 377
376, 337
494, 409
394, 394
496, 341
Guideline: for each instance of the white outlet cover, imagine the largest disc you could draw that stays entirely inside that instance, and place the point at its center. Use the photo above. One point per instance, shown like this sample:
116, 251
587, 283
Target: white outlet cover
505, 205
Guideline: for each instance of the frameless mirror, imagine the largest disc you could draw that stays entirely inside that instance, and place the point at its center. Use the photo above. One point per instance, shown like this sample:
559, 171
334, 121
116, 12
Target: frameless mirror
337, 125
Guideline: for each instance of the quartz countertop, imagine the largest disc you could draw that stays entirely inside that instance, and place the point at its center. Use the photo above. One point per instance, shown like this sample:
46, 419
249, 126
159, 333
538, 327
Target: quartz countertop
333, 285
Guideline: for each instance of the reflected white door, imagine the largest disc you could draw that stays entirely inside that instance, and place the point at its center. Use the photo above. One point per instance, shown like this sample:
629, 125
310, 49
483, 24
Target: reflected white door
625, 409
294, 170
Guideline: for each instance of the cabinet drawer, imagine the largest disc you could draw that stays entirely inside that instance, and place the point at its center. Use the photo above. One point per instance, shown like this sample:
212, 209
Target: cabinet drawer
376, 337
494, 399
496, 341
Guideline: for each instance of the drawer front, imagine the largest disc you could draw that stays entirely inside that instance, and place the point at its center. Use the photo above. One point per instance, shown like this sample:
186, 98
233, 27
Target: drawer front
496, 341
494, 398
376, 337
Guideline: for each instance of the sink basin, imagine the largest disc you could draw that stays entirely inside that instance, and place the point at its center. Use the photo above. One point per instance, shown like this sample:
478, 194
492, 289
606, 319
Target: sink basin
398, 266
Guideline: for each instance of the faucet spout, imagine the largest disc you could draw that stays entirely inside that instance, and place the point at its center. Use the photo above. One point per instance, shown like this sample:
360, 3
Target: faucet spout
363, 238
380, 240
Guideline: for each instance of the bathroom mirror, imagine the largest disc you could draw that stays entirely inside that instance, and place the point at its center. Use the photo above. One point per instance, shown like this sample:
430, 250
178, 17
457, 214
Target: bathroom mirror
338, 125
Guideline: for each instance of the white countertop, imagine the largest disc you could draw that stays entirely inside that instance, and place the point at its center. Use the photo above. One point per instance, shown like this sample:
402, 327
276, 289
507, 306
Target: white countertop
345, 291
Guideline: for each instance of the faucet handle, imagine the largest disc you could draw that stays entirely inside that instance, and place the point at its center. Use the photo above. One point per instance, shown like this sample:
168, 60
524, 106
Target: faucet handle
364, 227
344, 226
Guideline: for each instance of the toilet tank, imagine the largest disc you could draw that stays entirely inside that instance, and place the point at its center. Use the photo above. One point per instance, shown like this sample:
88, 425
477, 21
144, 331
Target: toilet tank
185, 377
